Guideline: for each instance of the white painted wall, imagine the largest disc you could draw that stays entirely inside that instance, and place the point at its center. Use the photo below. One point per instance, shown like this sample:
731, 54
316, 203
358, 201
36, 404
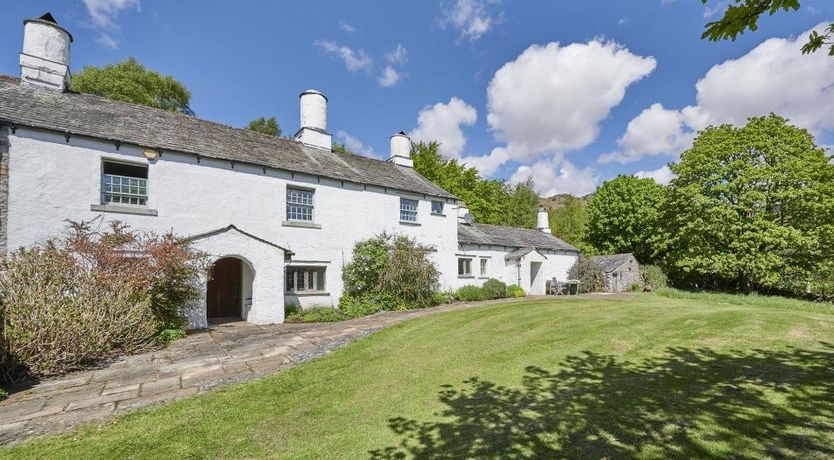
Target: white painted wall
52, 180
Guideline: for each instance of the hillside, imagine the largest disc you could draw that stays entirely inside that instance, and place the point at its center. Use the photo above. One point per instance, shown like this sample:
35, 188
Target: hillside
558, 200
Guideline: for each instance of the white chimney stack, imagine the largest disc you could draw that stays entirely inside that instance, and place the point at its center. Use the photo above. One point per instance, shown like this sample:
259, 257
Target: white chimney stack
313, 130
464, 216
401, 150
45, 58
542, 220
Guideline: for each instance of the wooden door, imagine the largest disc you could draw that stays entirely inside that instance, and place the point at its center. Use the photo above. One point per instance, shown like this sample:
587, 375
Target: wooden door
223, 293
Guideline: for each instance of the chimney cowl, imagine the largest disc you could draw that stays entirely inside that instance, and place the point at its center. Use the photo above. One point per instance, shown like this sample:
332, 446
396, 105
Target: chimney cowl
401, 150
45, 57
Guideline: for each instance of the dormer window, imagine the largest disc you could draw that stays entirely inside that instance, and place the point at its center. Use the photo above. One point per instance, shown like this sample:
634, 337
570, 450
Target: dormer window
124, 184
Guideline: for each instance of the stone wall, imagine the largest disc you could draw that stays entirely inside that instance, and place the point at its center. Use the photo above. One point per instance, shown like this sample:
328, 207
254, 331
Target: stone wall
625, 276
4, 187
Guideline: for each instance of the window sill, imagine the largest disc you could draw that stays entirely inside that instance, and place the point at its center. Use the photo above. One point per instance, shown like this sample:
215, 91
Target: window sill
470, 277
308, 294
413, 224
438, 214
483, 277
140, 210
291, 223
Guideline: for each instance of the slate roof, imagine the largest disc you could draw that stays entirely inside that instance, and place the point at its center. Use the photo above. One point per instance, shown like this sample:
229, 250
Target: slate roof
498, 235
231, 227
518, 253
610, 263
107, 119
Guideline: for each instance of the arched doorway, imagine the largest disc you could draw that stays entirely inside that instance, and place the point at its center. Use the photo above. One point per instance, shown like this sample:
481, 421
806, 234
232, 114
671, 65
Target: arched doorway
224, 291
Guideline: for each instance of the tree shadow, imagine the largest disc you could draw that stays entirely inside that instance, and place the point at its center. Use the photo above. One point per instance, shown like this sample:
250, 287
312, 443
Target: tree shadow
689, 403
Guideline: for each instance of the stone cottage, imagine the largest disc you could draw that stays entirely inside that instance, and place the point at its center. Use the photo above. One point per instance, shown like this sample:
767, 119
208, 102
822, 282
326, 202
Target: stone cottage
621, 271
279, 217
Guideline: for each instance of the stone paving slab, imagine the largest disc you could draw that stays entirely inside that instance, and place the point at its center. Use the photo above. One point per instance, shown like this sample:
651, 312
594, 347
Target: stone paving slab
223, 354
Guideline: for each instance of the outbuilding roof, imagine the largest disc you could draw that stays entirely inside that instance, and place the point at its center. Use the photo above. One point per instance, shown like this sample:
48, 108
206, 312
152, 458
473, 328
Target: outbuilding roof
499, 235
107, 119
609, 263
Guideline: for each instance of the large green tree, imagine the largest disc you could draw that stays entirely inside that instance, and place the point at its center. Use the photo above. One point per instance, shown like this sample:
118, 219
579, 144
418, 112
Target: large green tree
130, 81
570, 220
268, 126
752, 207
623, 216
742, 15
490, 201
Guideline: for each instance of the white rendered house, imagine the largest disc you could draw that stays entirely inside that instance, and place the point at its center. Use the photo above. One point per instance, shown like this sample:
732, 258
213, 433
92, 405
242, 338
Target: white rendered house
278, 216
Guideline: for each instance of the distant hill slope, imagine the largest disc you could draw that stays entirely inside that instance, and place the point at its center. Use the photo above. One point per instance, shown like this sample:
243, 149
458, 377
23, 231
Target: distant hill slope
558, 200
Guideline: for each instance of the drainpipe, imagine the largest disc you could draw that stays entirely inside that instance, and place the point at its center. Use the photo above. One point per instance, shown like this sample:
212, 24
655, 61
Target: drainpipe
518, 269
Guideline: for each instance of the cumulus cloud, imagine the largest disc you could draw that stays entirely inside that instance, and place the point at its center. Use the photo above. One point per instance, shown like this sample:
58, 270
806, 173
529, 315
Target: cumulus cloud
552, 98
354, 144
488, 164
390, 77
354, 60
104, 16
443, 122
773, 77
398, 55
660, 175
347, 27
471, 18
557, 175
655, 131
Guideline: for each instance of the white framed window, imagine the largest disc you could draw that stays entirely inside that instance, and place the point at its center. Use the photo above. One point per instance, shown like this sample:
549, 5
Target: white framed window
306, 279
464, 266
436, 207
299, 204
408, 210
124, 184
484, 265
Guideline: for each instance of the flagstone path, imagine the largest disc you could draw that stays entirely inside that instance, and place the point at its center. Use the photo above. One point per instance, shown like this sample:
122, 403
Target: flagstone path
221, 355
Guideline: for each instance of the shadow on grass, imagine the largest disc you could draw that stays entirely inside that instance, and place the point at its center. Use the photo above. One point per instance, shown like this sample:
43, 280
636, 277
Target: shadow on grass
689, 403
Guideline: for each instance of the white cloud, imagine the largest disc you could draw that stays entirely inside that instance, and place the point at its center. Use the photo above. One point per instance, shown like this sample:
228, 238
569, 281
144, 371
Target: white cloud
398, 55
488, 164
661, 175
471, 18
557, 175
552, 98
354, 60
390, 77
442, 123
655, 131
773, 77
347, 27
354, 144
104, 15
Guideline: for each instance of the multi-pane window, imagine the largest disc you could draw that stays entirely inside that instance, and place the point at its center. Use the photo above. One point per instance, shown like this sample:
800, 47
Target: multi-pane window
299, 204
305, 279
484, 267
436, 207
464, 267
408, 210
123, 183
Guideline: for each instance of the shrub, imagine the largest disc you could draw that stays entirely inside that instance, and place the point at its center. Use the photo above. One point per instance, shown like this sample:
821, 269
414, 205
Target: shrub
589, 273
515, 290
90, 294
320, 315
495, 289
368, 304
444, 297
653, 277
471, 293
3, 394
167, 336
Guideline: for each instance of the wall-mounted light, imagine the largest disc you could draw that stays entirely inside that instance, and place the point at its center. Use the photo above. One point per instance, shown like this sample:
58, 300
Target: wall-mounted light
151, 154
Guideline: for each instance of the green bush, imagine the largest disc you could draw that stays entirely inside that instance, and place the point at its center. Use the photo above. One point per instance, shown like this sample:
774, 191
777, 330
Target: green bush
515, 290
653, 277
471, 293
321, 315
368, 304
589, 273
495, 289
168, 336
3, 394
77, 299
444, 297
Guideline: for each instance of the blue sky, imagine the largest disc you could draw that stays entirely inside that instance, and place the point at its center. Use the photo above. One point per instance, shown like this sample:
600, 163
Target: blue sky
571, 93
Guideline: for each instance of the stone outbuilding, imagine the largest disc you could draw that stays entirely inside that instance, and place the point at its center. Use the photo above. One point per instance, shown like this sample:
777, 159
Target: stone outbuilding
621, 271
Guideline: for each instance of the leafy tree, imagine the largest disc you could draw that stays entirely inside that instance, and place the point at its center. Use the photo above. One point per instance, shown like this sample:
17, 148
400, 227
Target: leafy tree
268, 126
490, 201
623, 216
569, 222
745, 14
752, 207
130, 81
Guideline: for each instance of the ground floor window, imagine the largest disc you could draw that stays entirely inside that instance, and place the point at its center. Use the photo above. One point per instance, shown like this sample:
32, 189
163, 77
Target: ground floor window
484, 272
464, 266
306, 279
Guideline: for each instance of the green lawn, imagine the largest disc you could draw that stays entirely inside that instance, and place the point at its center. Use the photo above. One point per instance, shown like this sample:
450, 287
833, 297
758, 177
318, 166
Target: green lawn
646, 376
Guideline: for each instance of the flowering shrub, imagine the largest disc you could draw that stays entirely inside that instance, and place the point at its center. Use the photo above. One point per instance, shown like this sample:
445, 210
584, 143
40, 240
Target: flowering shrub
90, 294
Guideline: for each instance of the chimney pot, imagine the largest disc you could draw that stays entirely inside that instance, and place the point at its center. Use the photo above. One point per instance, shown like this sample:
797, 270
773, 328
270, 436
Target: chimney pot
313, 130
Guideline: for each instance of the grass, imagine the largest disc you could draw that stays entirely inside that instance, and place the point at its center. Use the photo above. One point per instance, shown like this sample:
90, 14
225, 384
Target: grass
638, 376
